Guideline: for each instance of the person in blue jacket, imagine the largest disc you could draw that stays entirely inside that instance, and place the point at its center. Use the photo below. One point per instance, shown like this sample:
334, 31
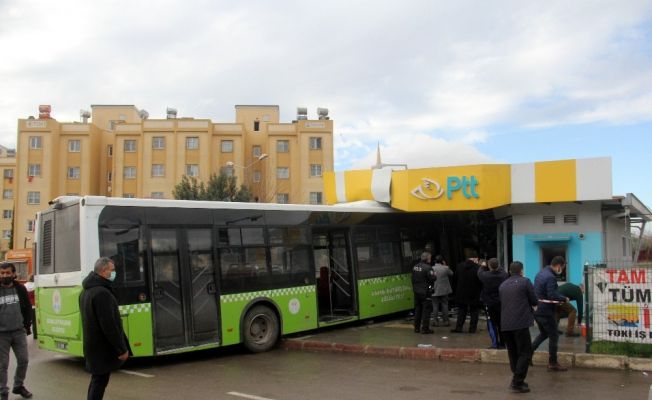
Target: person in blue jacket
546, 290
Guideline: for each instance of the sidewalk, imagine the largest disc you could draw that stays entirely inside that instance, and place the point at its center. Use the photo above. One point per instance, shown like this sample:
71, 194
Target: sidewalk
396, 338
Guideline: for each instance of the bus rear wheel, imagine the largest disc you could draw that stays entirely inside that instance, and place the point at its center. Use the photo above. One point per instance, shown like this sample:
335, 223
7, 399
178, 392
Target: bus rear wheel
260, 329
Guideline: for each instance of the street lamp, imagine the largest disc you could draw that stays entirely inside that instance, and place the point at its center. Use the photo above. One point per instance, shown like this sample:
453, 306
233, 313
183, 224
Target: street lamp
261, 157
231, 164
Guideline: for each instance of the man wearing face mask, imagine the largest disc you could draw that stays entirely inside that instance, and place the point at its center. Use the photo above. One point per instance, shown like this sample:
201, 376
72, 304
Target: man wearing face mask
546, 289
106, 346
15, 321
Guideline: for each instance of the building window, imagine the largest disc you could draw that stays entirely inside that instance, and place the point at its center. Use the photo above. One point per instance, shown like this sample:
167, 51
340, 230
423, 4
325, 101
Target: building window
157, 195
228, 170
282, 146
192, 143
282, 198
315, 198
34, 142
129, 196
130, 173
110, 150
7, 194
34, 170
158, 143
283, 173
256, 126
227, 146
256, 176
30, 225
192, 169
74, 146
6, 234
73, 172
130, 146
7, 214
315, 169
109, 176
8, 173
315, 143
33, 197
257, 151
158, 170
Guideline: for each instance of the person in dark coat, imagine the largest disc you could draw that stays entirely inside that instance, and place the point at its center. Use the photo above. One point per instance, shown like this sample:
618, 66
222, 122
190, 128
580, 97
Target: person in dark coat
15, 322
422, 280
467, 295
106, 346
491, 277
516, 300
546, 289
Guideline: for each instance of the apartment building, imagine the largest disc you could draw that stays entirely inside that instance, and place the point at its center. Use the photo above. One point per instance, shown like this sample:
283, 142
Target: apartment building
121, 152
8, 167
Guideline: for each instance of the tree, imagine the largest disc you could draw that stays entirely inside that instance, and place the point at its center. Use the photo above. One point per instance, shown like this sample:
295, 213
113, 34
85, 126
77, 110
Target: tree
189, 189
220, 187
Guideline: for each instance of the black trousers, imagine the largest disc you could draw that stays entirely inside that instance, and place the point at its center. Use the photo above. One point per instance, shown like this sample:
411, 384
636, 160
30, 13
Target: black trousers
547, 330
462, 310
422, 311
519, 350
97, 386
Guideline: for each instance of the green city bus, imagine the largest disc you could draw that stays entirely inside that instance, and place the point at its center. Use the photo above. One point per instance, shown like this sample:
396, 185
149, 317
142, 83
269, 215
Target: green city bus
194, 275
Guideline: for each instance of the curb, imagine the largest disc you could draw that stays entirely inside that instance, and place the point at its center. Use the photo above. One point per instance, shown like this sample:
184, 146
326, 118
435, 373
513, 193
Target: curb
487, 356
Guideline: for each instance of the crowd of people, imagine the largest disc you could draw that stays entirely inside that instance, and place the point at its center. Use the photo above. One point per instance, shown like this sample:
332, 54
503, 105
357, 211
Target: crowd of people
512, 304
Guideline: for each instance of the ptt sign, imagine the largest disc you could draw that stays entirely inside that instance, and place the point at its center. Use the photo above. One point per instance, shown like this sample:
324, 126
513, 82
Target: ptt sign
431, 189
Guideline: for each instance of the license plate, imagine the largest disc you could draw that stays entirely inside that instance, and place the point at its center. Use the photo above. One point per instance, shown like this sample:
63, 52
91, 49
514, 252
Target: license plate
61, 345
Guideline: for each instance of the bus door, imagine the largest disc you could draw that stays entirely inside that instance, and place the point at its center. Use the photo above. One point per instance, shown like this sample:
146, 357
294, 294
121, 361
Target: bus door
184, 293
335, 284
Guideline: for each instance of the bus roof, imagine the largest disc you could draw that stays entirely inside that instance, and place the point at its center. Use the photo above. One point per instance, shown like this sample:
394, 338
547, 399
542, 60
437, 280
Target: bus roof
360, 206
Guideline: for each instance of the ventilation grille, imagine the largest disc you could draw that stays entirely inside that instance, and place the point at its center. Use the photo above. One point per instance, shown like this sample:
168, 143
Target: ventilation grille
570, 219
46, 260
548, 219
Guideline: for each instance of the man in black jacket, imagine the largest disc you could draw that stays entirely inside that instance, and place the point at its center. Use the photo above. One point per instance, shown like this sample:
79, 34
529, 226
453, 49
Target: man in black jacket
467, 295
422, 279
491, 279
15, 322
517, 299
105, 344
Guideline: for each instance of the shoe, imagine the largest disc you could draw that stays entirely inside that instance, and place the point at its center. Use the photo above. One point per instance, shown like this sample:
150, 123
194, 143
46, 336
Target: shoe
427, 331
557, 367
572, 334
22, 391
501, 347
456, 330
522, 388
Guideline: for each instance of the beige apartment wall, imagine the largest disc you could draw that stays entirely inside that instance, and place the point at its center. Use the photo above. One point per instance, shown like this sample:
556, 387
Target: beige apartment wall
100, 133
6, 163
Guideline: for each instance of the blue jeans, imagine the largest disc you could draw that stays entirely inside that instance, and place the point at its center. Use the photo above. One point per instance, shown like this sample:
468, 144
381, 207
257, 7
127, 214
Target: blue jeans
440, 303
16, 340
547, 330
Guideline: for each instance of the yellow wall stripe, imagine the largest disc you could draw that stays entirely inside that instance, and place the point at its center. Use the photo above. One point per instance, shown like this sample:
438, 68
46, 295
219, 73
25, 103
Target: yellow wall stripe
358, 185
555, 181
330, 192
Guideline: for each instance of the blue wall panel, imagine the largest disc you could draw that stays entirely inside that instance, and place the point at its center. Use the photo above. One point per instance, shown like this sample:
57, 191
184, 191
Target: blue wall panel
527, 249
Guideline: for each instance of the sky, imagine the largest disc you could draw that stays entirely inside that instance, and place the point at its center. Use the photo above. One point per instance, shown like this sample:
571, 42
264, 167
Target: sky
432, 83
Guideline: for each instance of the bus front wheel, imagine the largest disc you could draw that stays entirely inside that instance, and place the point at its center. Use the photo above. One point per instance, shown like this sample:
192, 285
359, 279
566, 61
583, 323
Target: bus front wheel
260, 329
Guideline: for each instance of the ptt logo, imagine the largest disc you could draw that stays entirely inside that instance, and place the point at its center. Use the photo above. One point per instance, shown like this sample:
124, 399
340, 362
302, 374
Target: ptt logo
430, 189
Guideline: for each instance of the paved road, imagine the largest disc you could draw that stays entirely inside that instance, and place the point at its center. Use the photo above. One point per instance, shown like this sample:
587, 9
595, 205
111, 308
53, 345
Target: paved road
279, 375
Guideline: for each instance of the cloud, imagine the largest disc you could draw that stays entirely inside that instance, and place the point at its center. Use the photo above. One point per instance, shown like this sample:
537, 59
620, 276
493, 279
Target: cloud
421, 151
447, 71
